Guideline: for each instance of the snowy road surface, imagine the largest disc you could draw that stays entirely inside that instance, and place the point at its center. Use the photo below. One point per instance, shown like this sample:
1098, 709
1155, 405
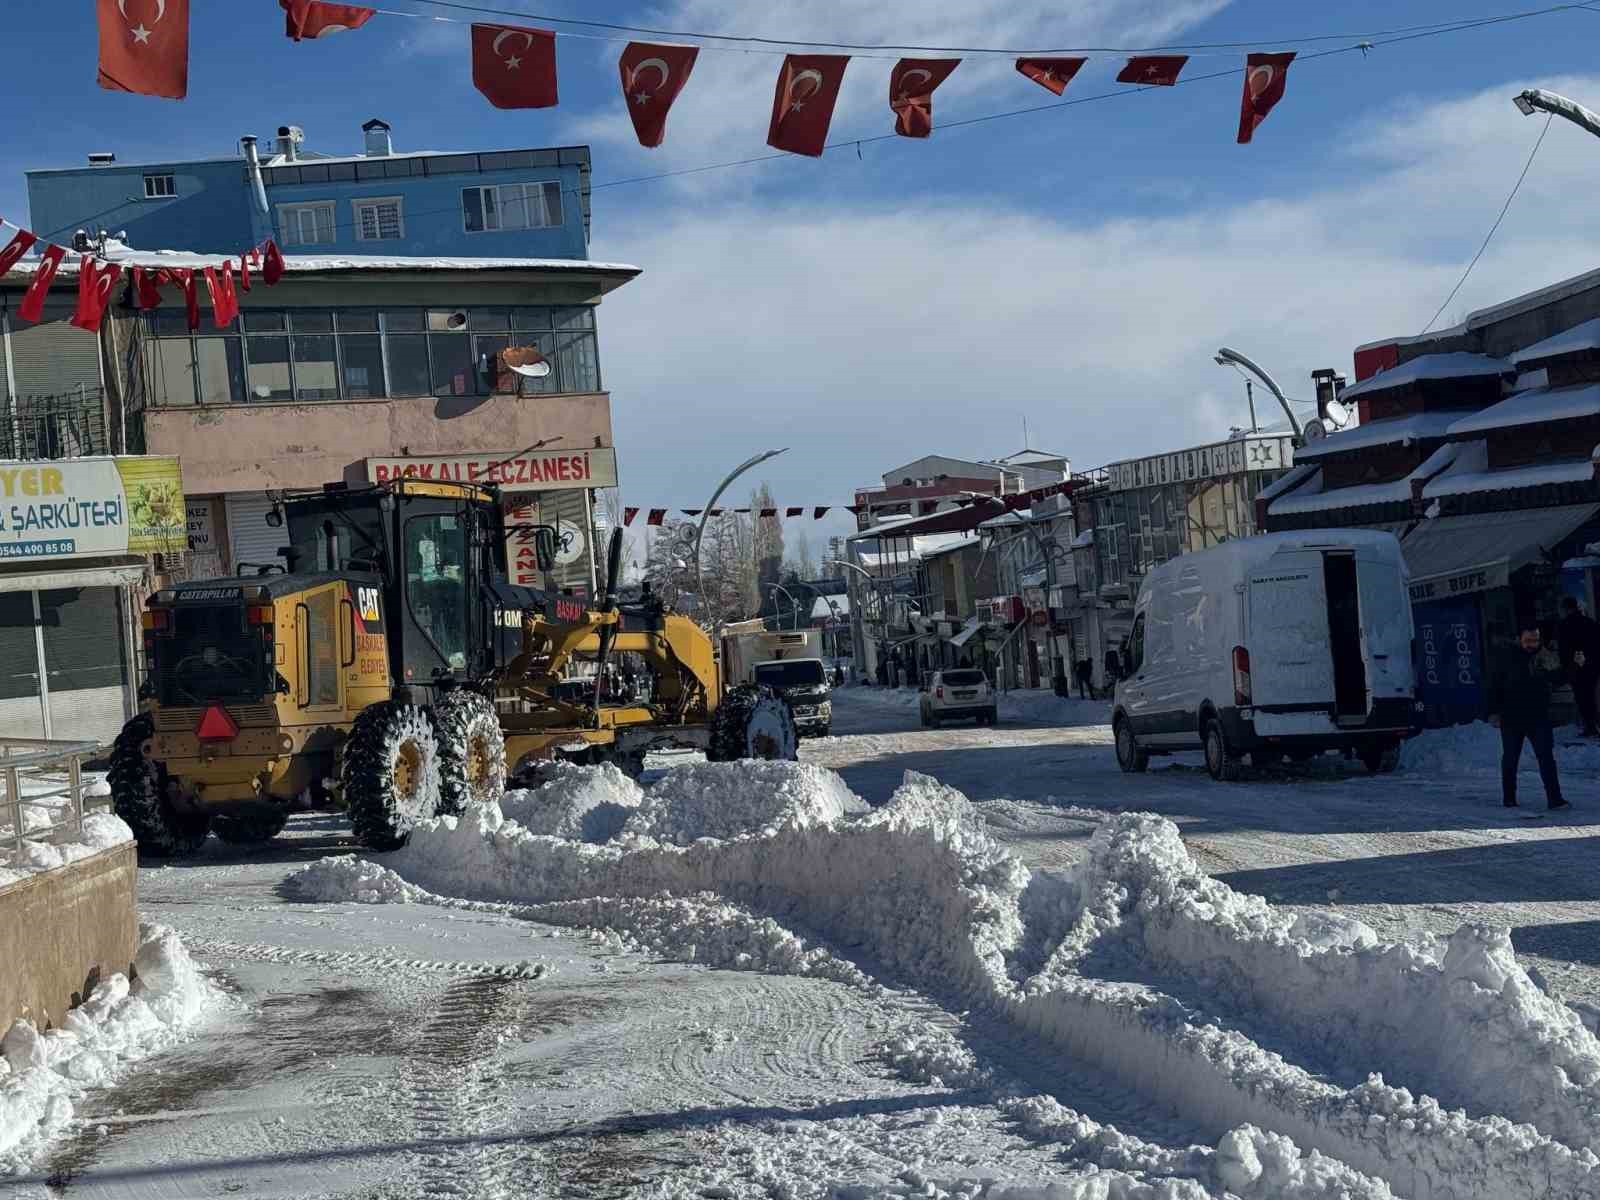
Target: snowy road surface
421, 1050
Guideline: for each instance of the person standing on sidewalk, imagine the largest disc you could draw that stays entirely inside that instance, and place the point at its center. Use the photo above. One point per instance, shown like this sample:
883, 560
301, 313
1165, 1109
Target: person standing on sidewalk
1519, 705
1580, 656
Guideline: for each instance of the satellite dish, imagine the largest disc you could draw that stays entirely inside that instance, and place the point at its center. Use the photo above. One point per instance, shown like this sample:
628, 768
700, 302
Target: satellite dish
1336, 413
536, 370
1314, 431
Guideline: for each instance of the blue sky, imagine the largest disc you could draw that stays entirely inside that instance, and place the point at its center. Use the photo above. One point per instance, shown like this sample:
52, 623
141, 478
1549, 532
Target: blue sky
1075, 266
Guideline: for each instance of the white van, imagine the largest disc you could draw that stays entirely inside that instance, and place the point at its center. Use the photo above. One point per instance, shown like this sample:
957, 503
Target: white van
1286, 643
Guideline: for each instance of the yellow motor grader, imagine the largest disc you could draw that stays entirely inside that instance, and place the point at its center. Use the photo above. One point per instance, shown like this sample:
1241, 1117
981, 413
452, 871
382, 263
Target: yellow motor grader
387, 663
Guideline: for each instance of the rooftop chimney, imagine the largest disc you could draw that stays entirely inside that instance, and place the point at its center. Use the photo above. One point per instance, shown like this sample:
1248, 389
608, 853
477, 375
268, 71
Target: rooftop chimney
378, 143
1329, 385
289, 139
102, 158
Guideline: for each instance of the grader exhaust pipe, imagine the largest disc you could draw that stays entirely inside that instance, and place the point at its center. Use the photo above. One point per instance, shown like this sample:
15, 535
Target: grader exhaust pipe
608, 604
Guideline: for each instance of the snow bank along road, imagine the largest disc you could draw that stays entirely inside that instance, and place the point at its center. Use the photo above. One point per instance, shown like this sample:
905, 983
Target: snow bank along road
797, 997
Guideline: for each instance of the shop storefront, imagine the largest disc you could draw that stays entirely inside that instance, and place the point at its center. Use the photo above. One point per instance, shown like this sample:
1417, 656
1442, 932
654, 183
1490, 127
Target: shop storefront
74, 539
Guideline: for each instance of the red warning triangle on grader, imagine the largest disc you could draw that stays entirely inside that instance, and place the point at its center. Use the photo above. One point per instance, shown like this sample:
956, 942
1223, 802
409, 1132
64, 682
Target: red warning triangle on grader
216, 725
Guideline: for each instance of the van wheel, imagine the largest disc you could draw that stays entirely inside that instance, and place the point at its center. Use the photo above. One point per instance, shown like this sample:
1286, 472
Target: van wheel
1381, 758
1131, 757
1221, 760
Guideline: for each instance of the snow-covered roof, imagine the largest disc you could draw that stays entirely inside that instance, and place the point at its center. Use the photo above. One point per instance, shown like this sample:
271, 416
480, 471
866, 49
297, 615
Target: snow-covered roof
966, 539
1569, 341
1379, 433
1311, 498
1531, 408
1454, 365
1517, 477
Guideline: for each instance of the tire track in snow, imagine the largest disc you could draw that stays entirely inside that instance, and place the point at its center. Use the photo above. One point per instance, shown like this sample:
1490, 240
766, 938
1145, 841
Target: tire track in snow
354, 960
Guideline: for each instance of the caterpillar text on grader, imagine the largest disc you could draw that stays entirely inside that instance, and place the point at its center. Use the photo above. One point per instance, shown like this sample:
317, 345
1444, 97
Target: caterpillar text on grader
387, 658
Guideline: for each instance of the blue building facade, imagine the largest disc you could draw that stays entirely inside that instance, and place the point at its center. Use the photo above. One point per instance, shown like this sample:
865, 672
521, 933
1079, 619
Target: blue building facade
531, 203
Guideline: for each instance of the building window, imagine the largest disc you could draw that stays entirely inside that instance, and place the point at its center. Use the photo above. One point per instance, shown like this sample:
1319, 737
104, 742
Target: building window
379, 219
159, 187
312, 354
306, 224
511, 206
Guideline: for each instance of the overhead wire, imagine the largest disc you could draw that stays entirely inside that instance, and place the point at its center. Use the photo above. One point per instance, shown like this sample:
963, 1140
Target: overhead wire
1488, 237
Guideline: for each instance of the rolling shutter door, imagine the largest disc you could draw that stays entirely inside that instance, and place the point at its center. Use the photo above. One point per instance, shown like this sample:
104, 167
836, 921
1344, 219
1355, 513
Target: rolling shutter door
250, 538
53, 358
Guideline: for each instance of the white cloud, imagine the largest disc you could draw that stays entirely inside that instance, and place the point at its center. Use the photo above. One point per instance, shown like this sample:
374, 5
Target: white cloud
863, 336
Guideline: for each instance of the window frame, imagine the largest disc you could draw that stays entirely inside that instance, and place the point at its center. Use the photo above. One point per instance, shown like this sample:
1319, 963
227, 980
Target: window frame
500, 207
375, 201
299, 208
152, 185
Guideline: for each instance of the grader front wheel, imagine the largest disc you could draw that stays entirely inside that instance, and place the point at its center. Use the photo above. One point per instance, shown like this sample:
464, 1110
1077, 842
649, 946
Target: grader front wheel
753, 722
472, 751
390, 773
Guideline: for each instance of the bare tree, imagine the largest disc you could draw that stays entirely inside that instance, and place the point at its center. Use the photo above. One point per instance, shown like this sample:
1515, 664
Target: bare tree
802, 561
767, 548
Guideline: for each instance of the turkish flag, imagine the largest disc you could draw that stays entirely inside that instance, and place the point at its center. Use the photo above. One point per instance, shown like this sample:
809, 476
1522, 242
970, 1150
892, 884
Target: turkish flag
819, 512
147, 287
184, 278
271, 263
95, 281
802, 103
224, 302
515, 67
628, 514
32, 306
911, 85
1160, 70
244, 272
12, 254
1265, 76
1052, 74
657, 516
314, 19
794, 512
769, 512
652, 77
144, 46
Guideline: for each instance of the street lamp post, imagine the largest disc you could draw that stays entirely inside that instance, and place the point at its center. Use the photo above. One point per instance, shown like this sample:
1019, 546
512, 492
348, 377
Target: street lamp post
832, 608
794, 605
860, 652
1049, 579
1226, 357
1538, 100
700, 529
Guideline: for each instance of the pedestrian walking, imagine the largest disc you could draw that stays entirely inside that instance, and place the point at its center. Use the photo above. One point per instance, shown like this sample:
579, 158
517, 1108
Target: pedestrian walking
1580, 658
1519, 705
1084, 669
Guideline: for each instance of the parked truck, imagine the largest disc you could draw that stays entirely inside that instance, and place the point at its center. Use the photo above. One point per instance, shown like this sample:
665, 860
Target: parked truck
789, 661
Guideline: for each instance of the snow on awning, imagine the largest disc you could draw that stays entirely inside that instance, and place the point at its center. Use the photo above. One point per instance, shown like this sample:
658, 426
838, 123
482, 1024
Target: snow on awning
1532, 408
44, 574
1379, 433
1450, 556
966, 634
1569, 341
1430, 368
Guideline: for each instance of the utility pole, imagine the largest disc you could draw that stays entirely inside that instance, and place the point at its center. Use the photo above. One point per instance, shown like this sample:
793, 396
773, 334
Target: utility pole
1250, 399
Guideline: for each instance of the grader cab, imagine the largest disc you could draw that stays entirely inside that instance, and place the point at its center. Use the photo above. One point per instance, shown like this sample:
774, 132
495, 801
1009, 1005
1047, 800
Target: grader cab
387, 664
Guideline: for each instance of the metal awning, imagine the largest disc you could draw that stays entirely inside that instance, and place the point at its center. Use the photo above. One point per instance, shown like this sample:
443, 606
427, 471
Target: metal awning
40, 575
1451, 556
967, 631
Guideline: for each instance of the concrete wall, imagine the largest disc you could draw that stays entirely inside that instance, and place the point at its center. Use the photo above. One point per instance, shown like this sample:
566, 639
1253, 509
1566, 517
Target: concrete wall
211, 211
259, 447
61, 930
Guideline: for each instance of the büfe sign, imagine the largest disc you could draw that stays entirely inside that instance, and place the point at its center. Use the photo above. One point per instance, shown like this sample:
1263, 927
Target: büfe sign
82, 507
535, 471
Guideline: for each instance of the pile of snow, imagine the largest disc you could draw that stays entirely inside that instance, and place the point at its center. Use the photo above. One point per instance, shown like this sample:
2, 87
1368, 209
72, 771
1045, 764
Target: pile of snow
43, 1073
586, 804
725, 800
1135, 961
101, 831
1474, 749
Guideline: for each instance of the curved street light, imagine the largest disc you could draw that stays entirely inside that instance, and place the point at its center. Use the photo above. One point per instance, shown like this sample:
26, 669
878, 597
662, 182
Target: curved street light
1538, 100
794, 605
700, 529
1226, 357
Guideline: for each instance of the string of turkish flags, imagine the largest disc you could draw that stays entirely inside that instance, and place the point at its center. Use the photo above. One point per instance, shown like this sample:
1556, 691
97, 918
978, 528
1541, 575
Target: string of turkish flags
1011, 503
144, 48
97, 277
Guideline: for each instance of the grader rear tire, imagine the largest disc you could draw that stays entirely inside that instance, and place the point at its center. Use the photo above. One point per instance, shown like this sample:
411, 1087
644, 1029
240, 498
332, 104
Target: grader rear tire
139, 796
390, 773
472, 751
253, 829
753, 722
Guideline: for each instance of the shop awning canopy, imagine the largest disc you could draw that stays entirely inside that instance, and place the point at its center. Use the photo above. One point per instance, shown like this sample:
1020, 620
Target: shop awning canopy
1450, 556
42, 575
967, 631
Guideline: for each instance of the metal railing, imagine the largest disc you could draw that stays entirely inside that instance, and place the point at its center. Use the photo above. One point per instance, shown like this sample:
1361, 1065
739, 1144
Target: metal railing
43, 798
64, 425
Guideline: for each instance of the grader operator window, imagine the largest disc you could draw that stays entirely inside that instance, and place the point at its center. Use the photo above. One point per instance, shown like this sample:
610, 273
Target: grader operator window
436, 583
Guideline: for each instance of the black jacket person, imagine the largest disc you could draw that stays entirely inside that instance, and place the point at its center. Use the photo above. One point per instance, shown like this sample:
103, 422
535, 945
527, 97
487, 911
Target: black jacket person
1524, 674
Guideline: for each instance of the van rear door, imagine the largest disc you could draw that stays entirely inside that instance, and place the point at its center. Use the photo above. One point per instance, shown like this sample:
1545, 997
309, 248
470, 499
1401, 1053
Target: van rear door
1291, 664
1386, 629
